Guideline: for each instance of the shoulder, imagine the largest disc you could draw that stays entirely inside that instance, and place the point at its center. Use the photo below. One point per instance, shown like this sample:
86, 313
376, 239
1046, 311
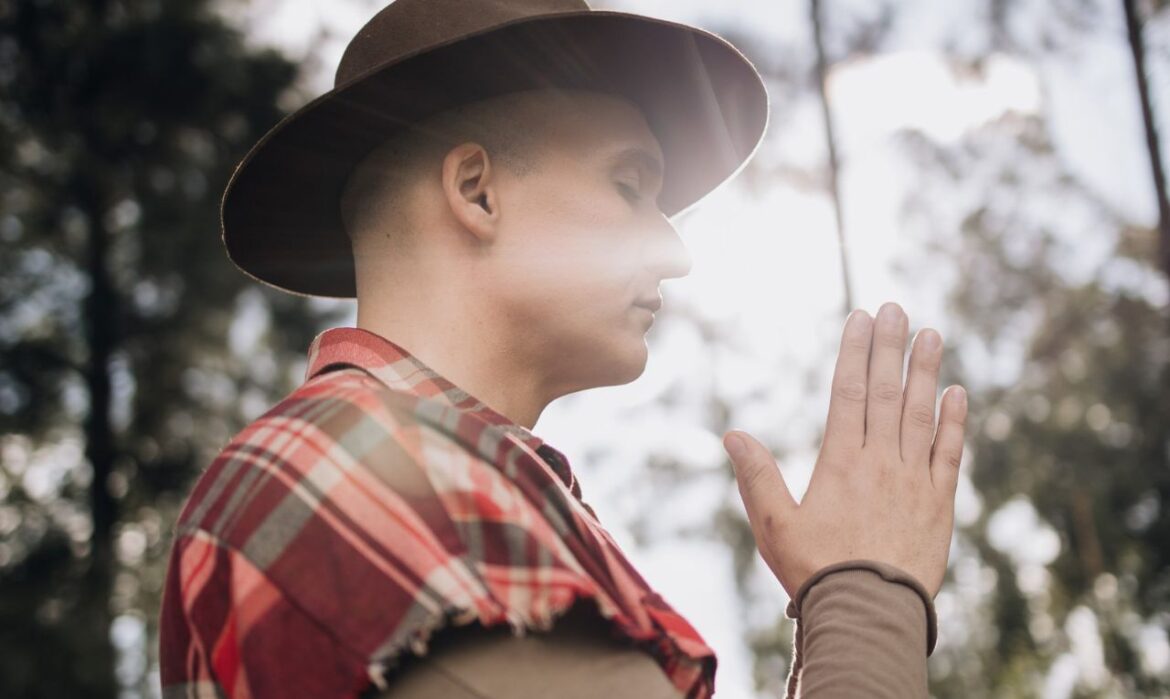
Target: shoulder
321, 511
335, 480
360, 508
340, 437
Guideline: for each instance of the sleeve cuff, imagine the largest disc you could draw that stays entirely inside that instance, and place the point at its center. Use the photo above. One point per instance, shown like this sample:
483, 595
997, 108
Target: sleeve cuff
887, 572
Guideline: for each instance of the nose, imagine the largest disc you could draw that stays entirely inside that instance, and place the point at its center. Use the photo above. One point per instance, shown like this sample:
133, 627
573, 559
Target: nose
666, 254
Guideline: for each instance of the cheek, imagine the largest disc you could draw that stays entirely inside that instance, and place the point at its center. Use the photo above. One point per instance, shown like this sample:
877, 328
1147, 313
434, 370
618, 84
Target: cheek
576, 253
568, 254
565, 294
586, 278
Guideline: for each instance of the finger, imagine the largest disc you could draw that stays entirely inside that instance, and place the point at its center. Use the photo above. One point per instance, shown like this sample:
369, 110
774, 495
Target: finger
919, 399
883, 406
845, 427
948, 443
762, 488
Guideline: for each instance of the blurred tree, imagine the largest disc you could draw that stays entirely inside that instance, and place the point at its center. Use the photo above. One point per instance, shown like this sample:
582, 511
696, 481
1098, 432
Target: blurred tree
817, 21
1063, 587
1135, 35
130, 349
1066, 577
1060, 581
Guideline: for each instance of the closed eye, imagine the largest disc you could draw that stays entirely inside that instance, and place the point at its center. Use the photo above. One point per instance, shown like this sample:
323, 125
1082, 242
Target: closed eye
628, 191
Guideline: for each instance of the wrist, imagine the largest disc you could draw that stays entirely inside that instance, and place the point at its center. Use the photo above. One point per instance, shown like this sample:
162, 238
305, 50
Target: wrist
887, 572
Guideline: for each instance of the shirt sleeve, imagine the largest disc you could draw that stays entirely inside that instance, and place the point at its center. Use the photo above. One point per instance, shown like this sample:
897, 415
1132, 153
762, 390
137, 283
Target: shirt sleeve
863, 628
576, 659
312, 550
227, 631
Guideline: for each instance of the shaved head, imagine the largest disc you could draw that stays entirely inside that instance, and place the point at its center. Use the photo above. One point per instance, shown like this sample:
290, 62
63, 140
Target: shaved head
377, 198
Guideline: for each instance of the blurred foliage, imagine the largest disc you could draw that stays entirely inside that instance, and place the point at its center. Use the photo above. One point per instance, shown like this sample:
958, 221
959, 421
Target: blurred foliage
1067, 465
1076, 438
1067, 293
130, 349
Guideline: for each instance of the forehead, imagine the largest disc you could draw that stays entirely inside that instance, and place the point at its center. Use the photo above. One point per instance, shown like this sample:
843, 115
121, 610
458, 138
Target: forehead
602, 128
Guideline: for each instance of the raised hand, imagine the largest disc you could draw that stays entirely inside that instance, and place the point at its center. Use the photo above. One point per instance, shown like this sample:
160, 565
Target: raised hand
883, 487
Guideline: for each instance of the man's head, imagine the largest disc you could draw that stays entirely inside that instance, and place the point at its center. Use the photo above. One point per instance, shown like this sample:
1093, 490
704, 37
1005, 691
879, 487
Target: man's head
531, 217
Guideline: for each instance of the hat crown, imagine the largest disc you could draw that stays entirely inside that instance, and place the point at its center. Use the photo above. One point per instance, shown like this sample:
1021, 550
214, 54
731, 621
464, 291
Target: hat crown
408, 26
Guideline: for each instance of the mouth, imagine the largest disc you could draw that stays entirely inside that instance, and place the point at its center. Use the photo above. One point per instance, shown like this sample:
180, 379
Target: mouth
645, 314
650, 304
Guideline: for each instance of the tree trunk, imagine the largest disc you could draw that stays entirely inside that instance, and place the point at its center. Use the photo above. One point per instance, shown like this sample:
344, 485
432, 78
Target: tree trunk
1134, 30
831, 143
101, 313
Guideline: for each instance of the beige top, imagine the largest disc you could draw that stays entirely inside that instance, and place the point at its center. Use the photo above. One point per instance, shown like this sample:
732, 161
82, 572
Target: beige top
864, 628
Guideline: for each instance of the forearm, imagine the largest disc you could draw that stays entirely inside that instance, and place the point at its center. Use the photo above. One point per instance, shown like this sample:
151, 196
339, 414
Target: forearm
863, 628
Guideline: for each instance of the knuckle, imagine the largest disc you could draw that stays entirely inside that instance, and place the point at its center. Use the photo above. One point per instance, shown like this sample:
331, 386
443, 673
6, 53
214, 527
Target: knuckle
850, 391
857, 344
928, 362
886, 392
754, 475
920, 415
952, 458
893, 339
771, 526
958, 418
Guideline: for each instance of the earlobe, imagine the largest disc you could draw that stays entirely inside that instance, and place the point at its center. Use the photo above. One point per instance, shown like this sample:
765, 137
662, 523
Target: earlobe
469, 187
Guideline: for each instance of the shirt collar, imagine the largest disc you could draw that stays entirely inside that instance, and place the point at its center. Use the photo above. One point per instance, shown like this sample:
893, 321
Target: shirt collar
401, 371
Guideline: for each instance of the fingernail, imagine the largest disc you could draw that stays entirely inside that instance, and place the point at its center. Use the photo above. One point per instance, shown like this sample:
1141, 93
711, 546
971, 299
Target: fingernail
735, 444
958, 396
856, 321
888, 313
930, 339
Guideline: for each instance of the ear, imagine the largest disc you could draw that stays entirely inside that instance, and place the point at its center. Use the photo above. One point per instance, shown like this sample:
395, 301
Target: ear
470, 189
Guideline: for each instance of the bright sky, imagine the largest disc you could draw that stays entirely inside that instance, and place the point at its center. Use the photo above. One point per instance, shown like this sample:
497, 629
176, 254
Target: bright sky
767, 267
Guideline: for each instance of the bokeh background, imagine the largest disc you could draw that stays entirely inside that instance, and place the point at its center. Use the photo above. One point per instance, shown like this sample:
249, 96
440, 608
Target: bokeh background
992, 166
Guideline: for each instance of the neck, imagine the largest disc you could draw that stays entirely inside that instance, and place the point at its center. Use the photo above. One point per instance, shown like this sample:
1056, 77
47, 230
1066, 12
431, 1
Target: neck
446, 331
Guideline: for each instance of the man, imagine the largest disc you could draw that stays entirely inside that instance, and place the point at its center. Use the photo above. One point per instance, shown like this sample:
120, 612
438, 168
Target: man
493, 182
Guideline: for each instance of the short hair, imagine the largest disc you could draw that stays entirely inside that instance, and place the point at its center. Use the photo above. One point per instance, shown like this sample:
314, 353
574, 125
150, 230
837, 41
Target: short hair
376, 193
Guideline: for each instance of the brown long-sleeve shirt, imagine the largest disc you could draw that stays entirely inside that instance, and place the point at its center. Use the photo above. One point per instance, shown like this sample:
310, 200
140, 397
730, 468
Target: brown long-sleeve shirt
864, 629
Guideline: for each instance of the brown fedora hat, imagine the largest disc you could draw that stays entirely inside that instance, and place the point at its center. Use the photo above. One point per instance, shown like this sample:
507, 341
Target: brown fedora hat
701, 97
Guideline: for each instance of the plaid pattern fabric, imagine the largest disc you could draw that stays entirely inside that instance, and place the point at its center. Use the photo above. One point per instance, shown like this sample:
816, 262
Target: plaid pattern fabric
371, 507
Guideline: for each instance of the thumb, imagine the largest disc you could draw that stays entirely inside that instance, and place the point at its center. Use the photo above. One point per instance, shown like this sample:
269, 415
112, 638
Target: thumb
761, 486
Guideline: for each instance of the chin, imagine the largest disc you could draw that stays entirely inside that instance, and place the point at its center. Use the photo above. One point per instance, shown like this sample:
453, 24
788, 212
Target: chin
595, 358
626, 364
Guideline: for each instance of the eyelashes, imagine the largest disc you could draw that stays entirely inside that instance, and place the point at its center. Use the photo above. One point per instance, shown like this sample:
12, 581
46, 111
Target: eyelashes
628, 191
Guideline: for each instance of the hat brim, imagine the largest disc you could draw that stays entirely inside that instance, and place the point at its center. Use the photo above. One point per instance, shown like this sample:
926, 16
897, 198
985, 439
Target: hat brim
704, 101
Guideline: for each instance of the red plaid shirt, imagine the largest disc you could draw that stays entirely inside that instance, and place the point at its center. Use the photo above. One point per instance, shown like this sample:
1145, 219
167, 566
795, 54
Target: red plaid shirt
375, 504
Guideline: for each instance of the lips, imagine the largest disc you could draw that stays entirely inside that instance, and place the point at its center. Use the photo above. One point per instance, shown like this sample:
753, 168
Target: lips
652, 304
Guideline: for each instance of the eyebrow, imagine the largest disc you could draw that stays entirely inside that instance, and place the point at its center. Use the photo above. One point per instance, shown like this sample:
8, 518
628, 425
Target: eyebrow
641, 156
